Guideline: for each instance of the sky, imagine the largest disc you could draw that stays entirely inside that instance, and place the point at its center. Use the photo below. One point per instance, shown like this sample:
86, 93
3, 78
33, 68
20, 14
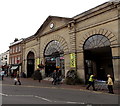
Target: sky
22, 18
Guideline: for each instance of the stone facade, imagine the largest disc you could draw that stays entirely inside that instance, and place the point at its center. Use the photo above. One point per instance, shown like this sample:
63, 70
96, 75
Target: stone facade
72, 34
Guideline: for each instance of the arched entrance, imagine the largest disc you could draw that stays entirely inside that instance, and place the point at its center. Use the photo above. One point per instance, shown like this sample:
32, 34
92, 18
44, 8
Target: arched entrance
30, 64
54, 57
98, 57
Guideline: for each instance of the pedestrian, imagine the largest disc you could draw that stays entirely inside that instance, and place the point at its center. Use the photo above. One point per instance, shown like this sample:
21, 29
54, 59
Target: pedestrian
40, 75
91, 82
17, 79
37, 75
110, 84
2, 74
54, 76
59, 77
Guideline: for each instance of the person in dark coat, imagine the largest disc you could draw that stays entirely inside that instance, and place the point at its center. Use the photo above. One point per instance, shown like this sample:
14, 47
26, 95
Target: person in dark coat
38, 75
54, 76
59, 77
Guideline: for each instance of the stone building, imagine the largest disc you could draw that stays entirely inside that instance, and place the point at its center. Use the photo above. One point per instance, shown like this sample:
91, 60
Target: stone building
88, 42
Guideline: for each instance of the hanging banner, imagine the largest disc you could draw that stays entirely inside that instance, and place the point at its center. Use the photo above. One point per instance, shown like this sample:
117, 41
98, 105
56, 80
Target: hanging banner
37, 62
72, 60
58, 62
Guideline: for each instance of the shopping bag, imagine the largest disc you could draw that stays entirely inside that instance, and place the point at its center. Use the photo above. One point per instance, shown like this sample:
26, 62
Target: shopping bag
15, 79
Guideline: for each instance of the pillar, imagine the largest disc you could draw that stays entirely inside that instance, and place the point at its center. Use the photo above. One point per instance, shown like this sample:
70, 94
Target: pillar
116, 63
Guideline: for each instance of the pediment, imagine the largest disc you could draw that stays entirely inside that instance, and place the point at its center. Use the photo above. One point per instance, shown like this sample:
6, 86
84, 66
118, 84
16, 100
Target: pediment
52, 23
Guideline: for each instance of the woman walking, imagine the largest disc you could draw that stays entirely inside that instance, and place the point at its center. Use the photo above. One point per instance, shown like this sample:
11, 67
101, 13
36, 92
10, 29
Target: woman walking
17, 79
110, 84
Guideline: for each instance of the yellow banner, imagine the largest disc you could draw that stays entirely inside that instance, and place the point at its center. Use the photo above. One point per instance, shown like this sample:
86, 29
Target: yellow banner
37, 62
72, 60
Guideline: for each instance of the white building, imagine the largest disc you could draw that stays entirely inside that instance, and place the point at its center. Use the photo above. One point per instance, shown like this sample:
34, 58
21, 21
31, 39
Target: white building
4, 58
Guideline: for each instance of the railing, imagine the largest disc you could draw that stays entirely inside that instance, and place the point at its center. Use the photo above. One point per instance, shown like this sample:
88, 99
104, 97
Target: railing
100, 84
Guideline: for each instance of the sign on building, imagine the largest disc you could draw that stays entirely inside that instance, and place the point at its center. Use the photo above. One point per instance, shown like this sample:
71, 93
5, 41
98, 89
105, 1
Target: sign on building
58, 62
37, 62
72, 60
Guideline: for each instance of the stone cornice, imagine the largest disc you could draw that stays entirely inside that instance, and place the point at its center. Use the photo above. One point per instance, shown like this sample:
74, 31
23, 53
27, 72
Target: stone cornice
95, 11
94, 25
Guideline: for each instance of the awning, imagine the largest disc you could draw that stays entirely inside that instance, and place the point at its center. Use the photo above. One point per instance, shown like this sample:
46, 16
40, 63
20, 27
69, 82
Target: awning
14, 67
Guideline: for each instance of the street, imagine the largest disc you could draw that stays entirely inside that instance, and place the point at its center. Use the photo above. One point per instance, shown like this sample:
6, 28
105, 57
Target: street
33, 94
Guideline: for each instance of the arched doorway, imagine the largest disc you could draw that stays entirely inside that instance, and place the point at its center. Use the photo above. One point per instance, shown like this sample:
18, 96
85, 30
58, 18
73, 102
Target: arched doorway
98, 57
54, 58
30, 64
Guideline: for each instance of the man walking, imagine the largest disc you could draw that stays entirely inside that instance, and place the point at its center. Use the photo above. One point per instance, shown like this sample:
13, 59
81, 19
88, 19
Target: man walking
91, 82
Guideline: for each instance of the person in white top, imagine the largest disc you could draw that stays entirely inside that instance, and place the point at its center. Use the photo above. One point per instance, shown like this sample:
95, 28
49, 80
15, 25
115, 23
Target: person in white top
110, 84
2, 74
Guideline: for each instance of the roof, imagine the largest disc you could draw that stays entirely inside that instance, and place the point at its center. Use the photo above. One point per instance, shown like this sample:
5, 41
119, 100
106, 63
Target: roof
14, 43
97, 8
46, 22
114, 0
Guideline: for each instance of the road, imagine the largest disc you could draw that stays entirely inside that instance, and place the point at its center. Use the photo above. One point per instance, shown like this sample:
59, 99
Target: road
26, 94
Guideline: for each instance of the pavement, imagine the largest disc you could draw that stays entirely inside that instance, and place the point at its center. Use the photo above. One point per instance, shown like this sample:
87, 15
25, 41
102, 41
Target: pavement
47, 82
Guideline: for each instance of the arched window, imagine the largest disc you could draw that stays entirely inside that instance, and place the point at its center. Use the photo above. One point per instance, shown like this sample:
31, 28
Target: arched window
52, 48
30, 55
96, 41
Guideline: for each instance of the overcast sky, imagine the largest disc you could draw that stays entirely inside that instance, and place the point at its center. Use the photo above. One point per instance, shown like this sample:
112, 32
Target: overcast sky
22, 18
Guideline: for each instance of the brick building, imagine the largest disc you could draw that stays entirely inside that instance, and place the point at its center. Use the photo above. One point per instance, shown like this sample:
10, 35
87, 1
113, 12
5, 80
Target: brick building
15, 55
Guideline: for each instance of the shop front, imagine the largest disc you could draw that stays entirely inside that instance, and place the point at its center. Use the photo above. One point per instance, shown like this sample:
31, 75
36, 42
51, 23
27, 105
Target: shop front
54, 58
98, 57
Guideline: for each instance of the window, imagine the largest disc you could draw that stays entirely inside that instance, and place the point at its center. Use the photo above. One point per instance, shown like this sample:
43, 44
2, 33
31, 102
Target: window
19, 48
16, 49
12, 60
13, 49
5, 57
10, 50
53, 47
18, 59
15, 60
96, 41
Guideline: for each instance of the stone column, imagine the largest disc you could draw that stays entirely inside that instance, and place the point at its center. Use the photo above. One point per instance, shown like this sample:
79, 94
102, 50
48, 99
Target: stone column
119, 39
67, 63
42, 59
23, 57
116, 50
80, 66
116, 63
43, 62
72, 35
